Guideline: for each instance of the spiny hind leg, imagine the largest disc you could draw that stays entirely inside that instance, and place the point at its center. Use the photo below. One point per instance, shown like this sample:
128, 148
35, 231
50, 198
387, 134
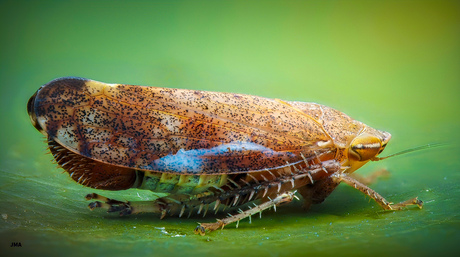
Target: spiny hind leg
221, 223
374, 195
127, 207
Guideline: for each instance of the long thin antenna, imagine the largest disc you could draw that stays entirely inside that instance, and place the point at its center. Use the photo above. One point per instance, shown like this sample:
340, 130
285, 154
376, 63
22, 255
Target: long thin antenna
423, 147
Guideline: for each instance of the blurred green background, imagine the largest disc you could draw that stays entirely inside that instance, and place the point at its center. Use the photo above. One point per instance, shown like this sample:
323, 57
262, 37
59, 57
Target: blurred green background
394, 65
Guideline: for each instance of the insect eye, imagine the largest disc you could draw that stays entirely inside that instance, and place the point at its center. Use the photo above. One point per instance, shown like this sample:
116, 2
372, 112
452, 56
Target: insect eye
365, 147
31, 112
382, 148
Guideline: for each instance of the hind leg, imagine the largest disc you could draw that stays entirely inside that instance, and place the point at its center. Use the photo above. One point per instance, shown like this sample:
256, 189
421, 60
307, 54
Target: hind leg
220, 223
128, 207
172, 204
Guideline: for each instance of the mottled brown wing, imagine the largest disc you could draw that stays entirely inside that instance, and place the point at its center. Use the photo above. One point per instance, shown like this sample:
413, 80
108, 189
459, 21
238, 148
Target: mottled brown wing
175, 130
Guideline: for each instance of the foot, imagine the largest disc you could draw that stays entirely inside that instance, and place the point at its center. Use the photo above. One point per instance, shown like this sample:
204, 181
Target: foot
203, 227
111, 205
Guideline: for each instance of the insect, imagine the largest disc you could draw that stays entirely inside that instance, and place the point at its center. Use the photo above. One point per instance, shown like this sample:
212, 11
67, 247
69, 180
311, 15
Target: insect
208, 150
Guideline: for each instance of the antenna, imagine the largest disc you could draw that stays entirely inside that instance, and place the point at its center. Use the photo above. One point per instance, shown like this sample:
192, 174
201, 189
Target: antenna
423, 147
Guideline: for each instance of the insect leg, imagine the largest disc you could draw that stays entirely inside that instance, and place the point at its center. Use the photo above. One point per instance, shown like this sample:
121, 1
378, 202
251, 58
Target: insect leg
127, 207
371, 178
374, 195
221, 223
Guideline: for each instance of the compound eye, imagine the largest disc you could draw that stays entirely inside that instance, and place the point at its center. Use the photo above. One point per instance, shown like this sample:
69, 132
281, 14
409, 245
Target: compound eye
31, 111
365, 147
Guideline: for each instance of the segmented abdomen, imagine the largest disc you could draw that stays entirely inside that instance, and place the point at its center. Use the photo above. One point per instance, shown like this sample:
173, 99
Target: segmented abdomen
180, 184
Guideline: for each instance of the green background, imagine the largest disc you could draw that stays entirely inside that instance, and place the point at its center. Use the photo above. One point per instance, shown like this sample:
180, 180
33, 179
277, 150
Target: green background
394, 65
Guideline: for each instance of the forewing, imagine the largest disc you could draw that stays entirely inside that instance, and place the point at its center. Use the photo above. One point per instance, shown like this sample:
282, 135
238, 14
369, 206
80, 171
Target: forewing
175, 130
